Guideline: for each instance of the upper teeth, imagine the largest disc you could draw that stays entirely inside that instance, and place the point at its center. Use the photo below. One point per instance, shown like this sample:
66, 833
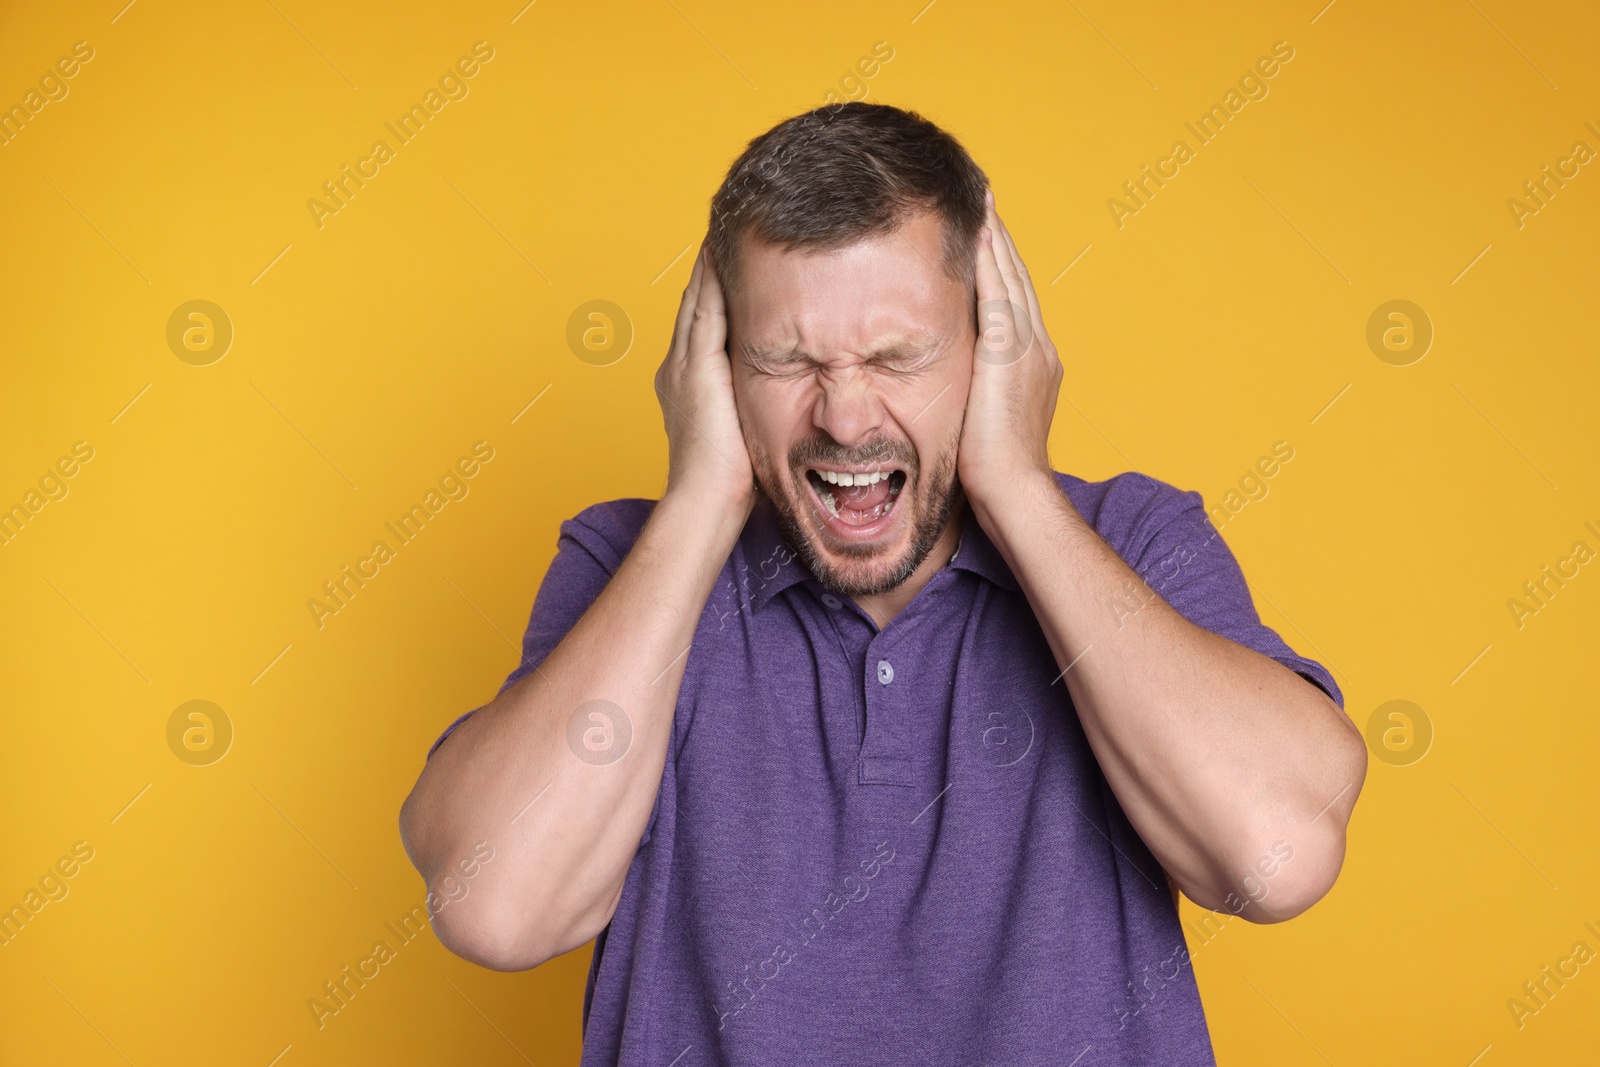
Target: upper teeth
846, 478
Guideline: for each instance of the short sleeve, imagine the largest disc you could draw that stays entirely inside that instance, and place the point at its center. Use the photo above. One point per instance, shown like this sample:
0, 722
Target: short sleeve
589, 549
1174, 547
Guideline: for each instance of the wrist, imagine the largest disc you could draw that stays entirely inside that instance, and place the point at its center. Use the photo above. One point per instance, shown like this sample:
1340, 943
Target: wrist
1019, 496
714, 507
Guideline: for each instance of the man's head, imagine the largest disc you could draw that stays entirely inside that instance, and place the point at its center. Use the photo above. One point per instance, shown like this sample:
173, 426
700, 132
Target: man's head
844, 239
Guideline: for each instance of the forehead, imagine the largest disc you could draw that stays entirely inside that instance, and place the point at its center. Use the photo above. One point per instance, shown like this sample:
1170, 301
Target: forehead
846, 302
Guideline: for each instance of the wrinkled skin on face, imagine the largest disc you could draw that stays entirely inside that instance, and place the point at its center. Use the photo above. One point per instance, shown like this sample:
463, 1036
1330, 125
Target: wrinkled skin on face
854, 365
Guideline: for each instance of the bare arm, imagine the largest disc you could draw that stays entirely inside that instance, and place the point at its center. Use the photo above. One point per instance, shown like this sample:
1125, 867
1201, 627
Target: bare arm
565, 829
1238, 775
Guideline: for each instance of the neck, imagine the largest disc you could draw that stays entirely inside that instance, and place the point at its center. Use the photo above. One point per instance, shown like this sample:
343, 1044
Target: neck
885, 606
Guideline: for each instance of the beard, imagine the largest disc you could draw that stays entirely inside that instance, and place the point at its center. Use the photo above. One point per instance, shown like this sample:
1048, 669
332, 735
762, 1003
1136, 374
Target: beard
868, 569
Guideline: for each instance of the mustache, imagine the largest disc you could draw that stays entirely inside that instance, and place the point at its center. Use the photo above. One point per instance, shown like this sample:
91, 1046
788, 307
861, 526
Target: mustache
883, 454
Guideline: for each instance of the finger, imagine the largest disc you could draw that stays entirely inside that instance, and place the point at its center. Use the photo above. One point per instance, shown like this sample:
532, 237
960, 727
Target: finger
991, 283
1025, 280
997, 325
680, 329
1002, 255
708, 330
1041, 337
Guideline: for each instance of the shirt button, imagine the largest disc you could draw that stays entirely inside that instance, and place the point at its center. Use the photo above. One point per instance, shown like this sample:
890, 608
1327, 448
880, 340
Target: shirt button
832, 601
885, 672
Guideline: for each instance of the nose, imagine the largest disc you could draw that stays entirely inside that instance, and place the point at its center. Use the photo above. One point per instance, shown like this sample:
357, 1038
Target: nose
847, 407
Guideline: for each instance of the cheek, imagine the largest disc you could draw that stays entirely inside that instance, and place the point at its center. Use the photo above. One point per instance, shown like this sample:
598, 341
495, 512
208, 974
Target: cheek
772, 415
932, 417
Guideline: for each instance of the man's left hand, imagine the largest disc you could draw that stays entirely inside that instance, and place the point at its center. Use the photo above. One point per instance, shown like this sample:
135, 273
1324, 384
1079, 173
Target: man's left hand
1016, 375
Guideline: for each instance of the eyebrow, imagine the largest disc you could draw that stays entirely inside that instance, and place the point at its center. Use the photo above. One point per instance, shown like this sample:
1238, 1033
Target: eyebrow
903, 348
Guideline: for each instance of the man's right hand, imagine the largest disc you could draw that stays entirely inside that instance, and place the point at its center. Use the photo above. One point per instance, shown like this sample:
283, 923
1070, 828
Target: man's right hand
707, 458
560, 864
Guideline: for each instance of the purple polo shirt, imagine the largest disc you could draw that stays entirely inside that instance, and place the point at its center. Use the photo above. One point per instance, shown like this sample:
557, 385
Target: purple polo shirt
896, 846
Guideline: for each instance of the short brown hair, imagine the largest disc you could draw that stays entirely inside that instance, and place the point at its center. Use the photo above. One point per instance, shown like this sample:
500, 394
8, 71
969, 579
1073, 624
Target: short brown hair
839, 174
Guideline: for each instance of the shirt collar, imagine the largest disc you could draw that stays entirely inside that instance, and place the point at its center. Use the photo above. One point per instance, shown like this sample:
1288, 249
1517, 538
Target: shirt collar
979, 555
769, 564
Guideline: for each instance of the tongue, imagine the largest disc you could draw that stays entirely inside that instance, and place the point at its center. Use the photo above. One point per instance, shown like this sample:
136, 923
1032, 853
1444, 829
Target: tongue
856, 502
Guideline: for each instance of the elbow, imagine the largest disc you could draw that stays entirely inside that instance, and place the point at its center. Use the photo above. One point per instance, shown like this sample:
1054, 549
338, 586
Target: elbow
1284, 881
1289, 872
468, 911
490, 911
1300, 874
1313, 855
1303, 866
481, 932
499, 908
1279, 860
495, 927
412, 828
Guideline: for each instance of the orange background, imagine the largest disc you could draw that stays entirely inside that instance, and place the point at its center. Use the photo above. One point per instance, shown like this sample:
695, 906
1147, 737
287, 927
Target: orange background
371, 352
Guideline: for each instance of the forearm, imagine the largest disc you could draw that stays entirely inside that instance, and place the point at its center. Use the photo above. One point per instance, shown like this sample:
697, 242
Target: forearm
565, 828
1236, 773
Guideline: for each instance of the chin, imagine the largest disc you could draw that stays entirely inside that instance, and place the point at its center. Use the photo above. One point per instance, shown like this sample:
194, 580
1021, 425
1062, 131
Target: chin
863, 528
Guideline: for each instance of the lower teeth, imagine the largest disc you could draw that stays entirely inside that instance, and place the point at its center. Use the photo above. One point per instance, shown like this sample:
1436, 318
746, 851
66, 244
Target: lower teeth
872, 516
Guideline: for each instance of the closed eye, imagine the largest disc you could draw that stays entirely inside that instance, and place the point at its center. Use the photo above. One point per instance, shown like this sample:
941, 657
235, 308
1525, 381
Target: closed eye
903, 366
789, 367
902, 359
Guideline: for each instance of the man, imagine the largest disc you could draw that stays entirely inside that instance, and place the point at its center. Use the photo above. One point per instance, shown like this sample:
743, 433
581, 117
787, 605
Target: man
876, 738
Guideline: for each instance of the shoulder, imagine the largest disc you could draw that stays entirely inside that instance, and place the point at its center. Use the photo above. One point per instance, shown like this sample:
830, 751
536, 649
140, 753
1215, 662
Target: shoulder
1130, 510
609, 529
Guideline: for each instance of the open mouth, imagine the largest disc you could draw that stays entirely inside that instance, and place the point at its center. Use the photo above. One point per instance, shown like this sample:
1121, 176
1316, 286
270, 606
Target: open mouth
856, 502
